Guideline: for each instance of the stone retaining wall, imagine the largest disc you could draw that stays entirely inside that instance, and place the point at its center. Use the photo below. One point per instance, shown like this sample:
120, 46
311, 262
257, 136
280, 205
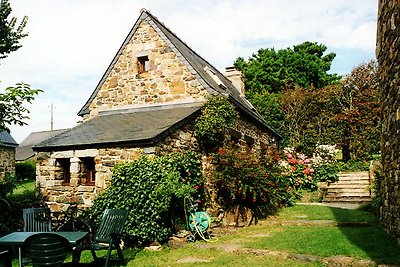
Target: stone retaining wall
388, 54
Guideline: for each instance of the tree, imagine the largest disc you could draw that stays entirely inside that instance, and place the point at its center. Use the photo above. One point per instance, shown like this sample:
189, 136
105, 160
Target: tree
359, 112
10, 33
304, 65
12, 110
347, 114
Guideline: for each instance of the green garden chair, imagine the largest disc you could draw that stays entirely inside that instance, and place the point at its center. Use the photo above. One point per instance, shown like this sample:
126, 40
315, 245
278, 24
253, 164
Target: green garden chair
37, 220
107, 237
47, 249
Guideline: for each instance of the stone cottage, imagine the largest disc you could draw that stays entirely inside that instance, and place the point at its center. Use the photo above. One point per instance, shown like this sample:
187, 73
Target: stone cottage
145, 103
388, 55
7, 154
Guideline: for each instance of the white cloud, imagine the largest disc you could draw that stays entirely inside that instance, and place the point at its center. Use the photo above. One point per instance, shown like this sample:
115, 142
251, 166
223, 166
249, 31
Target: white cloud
72, 42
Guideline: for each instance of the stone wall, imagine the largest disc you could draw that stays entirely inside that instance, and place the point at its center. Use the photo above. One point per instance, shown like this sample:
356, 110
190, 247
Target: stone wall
56, 192
388, 54
167, 79
7, 161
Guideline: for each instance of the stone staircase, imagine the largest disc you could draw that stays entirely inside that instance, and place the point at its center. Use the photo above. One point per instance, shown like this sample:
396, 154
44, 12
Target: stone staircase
351, 188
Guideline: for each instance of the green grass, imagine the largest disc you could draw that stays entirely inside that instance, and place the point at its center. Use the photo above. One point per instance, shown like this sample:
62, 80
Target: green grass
26, 185
311, 212
211, 257
358, 242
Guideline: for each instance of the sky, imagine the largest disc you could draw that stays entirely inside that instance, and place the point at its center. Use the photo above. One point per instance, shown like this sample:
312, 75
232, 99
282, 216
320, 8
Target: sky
72, 42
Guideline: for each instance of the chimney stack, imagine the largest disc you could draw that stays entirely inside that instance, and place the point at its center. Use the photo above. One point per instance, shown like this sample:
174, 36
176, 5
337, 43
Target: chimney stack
236, 77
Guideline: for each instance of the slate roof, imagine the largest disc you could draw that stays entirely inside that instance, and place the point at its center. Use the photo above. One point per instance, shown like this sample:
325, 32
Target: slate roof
194, 62
6, 140
25, 151
138, 126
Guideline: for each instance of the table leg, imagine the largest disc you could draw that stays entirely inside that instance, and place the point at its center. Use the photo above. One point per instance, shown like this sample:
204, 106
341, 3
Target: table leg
20, 256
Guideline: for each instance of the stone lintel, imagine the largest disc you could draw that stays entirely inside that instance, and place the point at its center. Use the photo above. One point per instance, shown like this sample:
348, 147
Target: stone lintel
86, 153
63, 154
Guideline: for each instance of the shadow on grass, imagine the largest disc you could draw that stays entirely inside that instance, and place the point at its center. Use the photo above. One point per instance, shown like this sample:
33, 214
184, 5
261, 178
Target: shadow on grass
368, 236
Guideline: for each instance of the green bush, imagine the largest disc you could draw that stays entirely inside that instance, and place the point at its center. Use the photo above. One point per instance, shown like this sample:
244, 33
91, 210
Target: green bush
326, 173
353, 166
12, 206
25, 170
153, 191
246, 179
7, 184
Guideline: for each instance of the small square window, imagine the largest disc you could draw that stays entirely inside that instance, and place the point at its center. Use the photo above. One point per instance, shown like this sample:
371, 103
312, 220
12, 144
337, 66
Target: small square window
143, 64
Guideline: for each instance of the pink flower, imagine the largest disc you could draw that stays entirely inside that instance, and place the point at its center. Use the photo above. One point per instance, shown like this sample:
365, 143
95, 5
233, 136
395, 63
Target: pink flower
289, 156
307, 161
311, 170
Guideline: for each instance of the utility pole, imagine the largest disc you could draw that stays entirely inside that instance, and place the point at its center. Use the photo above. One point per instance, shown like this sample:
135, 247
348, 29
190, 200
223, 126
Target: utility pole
52, 117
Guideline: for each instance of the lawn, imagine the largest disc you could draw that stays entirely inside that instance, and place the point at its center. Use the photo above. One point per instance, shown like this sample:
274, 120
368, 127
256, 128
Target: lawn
298, 230
26, 185
310, 230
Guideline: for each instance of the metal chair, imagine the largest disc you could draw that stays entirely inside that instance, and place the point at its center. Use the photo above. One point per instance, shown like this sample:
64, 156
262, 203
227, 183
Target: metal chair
37, 220
47, 249
107, 236
5, 259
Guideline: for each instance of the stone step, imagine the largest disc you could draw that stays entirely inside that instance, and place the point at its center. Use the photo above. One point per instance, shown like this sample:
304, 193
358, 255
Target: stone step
353, 178
348, 190
353, 174
340, 186
346, 199
348, 194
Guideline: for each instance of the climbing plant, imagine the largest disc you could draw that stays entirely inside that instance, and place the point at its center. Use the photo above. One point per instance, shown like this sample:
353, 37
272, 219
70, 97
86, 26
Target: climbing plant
217, 115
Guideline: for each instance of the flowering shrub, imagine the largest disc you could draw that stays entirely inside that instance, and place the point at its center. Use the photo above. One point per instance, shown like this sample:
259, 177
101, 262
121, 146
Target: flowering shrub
299, 171
324, 158
325, 154
252, 180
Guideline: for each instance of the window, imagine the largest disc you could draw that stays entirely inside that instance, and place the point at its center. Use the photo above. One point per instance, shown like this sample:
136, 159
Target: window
90, 170
235, 135
143, 64
64, 167
249, 140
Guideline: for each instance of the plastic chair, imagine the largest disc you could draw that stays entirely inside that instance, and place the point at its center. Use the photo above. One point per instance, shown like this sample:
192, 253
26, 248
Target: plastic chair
47, 249
5, 259
37, 220
107, 236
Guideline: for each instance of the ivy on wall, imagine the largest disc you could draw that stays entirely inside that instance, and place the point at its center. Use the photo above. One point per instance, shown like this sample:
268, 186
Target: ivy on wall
217, 115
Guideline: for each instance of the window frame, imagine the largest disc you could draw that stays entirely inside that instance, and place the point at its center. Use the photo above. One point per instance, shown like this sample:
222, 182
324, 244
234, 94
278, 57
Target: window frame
89, 165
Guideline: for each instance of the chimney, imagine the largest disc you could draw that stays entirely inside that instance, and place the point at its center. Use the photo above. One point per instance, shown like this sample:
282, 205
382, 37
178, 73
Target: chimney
236, 77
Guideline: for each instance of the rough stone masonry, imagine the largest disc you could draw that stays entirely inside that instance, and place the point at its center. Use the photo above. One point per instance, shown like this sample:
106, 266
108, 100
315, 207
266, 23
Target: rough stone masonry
388, 55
